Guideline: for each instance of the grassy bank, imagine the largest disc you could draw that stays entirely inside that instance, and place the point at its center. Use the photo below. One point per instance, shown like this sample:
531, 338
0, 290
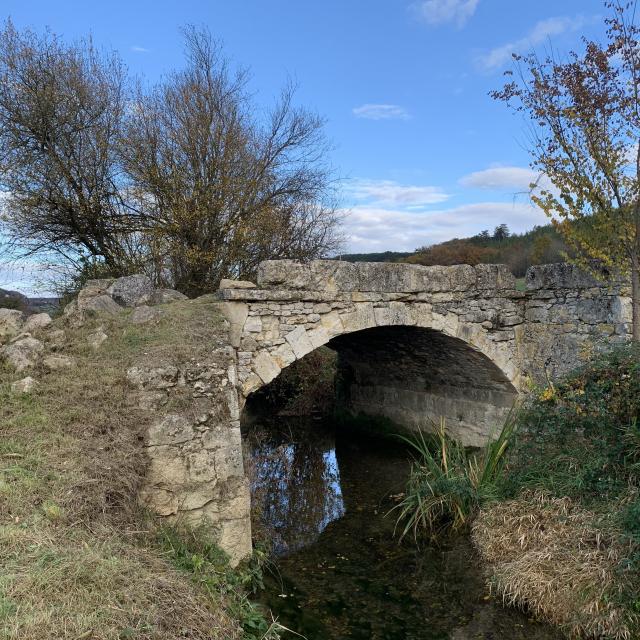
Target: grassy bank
78, 558
564, 541
557, 519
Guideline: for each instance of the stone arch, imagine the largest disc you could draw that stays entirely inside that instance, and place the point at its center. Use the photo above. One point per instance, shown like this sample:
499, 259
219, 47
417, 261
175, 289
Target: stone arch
488, 384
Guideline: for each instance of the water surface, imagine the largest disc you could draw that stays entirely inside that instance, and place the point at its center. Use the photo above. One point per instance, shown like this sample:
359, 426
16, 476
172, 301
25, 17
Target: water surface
323, 498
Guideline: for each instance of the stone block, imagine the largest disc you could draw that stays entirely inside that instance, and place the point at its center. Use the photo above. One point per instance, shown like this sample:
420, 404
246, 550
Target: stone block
265, 366
173, 430
299, 342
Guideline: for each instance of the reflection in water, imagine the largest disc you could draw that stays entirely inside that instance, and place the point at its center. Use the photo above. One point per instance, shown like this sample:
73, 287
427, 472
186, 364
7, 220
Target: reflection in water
341, 573
295, 485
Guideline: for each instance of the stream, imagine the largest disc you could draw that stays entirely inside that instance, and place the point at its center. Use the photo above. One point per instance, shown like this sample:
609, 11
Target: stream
322, 499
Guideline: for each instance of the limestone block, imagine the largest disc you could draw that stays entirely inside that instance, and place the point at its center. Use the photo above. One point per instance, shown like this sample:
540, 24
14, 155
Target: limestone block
227, 283
283, 355
362, 318
24, 386
173, 429
11, 321
37, 322
127, 290
161, 296
253, 324
236, 314
265, 366
221, 435
202, 466
23, 353
167, 467
318, 336
235, 538
228, 462
99, 304
299, 342
58, 362
143, 314
96, 338
251, 383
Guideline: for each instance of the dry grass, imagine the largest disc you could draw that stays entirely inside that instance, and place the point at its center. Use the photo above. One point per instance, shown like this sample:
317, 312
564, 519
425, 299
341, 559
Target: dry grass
561, 562
76, 558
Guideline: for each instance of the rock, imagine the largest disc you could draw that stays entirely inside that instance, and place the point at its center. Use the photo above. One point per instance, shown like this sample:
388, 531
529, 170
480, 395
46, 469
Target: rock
23, 353
96, 338
55, 363
71, 308
94, 288
128, 290
56, 338
100, 304
37, 322
11, 321
161, 296
144, 315
26, 385
227, 283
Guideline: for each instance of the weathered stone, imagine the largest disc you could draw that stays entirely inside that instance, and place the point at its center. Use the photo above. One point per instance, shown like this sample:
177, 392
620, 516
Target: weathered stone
226, 283
24, 386
23, 353
57, 362
265, 366
102, 304
170, 430
11, 321
144, 315
96, 338
161, 296
37, 322
153, 377
299, 342
128, 290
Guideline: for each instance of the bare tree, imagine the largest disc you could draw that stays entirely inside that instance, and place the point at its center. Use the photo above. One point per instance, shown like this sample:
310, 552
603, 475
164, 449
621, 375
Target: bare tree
220, 187
61, 110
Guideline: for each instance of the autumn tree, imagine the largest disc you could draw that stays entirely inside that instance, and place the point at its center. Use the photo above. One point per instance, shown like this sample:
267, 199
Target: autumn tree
61, 111
585, 133
224, 188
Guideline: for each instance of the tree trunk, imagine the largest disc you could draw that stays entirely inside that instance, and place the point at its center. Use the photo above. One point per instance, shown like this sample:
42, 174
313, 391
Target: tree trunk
635, 298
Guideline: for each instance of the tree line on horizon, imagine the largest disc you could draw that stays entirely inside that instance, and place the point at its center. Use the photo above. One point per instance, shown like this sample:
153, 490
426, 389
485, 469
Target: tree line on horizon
519, 251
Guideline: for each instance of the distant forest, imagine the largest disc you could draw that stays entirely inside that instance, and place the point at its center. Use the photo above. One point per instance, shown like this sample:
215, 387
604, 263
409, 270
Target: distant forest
543, 244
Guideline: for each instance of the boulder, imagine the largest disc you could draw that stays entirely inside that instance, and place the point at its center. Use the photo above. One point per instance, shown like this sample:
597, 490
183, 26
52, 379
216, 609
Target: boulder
11, 321
22, 353
161, 296
26, 385
99, 304
37, 322
128, 290
144, 314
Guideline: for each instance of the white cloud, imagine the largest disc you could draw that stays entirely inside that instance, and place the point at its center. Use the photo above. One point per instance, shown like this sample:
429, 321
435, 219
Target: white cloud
378, 229
381, 112
438, 12
139, 49
501, 178
542, 31
387, 193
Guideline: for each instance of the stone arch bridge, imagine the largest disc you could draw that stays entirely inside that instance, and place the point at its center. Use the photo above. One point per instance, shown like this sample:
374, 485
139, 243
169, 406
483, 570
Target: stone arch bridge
414, 343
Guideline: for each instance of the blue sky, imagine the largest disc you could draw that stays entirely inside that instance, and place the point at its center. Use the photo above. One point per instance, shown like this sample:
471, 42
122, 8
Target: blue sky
426, 154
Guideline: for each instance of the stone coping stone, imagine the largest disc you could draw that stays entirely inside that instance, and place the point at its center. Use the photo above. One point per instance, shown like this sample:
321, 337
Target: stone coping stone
337, 276
564, 275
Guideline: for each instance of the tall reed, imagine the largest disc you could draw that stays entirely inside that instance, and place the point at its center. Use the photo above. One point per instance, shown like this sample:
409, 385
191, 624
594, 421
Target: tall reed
449, 483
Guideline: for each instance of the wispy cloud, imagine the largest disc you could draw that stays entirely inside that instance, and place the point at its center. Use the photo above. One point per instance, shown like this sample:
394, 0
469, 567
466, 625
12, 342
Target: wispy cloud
542, 31
501, 178
387, 193
378, 229
138, 49
437, 12
381, 112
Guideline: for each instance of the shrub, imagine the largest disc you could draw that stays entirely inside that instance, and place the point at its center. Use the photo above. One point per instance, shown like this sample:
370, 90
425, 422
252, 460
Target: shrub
449, 483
